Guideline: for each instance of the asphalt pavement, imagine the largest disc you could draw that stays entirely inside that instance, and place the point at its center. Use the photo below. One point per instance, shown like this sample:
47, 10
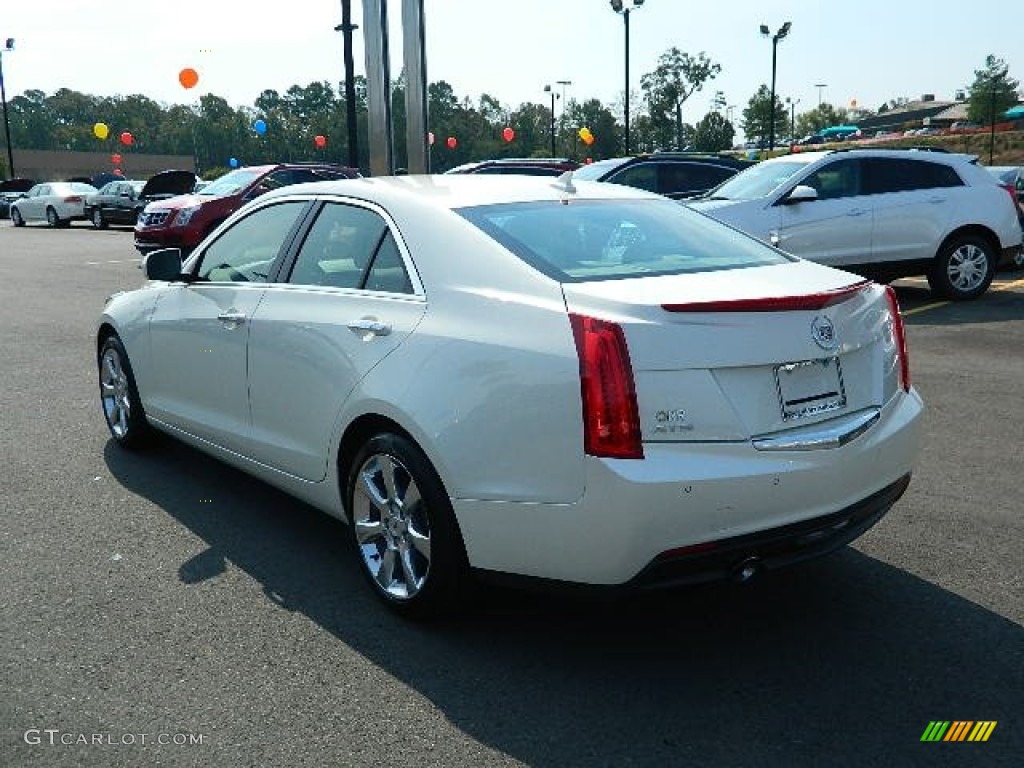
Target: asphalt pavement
162, 609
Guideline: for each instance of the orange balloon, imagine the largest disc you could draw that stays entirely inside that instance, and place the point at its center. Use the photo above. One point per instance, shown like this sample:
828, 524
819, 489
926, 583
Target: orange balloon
188, 77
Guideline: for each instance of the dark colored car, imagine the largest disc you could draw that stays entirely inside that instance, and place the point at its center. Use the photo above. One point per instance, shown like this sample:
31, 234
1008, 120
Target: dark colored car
11, 190
121, 201
678, 175
523, 166
183, 221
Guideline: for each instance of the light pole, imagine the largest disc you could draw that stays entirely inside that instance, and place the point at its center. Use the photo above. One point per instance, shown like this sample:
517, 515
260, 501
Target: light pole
792, 116
625, 7
549, 89
8, 46
820, 86
781, 34
347, 28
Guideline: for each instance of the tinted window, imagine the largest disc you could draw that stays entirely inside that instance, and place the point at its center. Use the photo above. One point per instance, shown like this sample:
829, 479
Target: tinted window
641, 176
598, 240
679, 178
339, 247
902, 175
835, 180
388, 271
246, 251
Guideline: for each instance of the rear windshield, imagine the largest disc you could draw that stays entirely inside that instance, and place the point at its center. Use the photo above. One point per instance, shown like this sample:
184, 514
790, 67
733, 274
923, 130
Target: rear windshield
609, 239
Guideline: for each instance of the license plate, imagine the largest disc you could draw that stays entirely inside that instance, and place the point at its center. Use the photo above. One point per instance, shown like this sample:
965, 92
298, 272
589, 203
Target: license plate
810, 387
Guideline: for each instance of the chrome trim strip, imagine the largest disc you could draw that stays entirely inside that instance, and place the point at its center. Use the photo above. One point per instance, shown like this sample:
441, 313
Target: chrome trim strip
834, 433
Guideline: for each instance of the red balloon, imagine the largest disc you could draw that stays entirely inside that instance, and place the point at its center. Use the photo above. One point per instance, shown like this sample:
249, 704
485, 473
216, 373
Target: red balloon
508, 134
430, 138
127, 139
118, 172
320, 141
589, 160
115, 158
452, 142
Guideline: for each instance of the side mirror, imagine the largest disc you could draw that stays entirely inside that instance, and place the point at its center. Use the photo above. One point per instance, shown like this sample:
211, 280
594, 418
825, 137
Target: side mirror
801, 194
164, 265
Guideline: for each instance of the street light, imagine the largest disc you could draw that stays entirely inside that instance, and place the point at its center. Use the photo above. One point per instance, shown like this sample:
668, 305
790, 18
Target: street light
347, 28
819, 86
781, 34
549, 89
8, 47
625, 7
792, 116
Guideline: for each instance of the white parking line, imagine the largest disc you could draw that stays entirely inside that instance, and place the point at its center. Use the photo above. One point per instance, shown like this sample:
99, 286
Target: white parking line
111, 261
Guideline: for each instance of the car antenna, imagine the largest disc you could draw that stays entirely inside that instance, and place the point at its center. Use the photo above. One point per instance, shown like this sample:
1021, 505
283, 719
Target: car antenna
564, 182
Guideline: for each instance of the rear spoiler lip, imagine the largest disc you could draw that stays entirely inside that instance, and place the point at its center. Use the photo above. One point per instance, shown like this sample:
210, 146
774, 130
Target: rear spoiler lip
805, 302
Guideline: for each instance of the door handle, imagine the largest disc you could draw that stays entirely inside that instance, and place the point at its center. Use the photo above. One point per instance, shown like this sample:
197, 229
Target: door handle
231, 319
856, 212
368, 325
936, 199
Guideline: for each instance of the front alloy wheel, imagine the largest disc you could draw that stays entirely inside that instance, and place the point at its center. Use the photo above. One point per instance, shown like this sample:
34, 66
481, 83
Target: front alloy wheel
52, 218
97, 219
404, 528
119, 396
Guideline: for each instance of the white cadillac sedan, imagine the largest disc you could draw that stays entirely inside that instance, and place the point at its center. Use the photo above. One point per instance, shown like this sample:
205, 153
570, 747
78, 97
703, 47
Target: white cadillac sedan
514, 376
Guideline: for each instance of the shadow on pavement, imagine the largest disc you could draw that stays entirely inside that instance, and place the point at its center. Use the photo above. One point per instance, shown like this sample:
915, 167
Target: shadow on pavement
843, 661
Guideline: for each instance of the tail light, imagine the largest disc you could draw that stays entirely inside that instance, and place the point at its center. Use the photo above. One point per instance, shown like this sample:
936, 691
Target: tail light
1011, 190
611, 420
73, 199
900, 335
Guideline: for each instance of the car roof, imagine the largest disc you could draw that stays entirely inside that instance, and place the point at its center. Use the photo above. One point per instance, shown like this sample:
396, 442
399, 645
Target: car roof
465, 190
915, 153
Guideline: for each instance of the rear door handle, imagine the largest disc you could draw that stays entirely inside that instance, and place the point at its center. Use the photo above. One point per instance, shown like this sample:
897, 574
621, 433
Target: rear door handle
371, 326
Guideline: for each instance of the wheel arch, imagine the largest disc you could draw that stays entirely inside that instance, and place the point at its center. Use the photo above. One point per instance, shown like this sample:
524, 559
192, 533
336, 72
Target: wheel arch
968, 230
105, 330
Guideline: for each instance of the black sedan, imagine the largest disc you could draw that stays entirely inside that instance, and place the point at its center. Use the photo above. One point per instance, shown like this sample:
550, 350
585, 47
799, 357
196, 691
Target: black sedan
121, 201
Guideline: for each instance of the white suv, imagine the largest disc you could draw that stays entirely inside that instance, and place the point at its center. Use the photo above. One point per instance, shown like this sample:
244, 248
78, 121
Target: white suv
882, 213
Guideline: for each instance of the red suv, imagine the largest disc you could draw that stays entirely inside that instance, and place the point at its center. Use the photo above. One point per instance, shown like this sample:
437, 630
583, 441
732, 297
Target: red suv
181, 222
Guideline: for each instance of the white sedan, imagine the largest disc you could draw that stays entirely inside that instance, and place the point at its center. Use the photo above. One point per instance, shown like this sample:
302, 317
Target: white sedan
576, 382
58, 203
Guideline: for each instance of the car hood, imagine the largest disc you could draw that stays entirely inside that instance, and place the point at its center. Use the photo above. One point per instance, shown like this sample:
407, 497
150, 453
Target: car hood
168, 184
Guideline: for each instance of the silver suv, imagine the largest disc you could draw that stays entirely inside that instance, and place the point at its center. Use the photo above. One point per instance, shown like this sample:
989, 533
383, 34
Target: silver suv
881, 213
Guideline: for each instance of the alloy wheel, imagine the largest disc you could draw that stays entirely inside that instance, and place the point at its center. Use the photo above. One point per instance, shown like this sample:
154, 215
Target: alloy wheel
114, 392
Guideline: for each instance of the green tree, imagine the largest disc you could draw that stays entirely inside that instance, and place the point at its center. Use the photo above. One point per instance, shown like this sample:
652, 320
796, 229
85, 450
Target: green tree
992, 92
757, 117
820, 117
677, 77
713, 133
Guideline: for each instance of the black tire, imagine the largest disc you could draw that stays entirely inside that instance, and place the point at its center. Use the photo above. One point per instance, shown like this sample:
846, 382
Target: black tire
421, 544
963, 268
119, 395
16, 218
52, 219
96, 217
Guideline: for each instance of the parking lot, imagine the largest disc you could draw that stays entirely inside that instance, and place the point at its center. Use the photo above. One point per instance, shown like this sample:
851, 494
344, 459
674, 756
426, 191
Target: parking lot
188, 615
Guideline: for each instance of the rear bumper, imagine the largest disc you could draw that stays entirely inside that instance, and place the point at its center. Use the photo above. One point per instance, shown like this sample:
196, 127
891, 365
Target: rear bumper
693, 511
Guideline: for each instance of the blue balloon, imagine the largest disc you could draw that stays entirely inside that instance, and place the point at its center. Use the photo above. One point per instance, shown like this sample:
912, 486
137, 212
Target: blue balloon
260, 126
233, 162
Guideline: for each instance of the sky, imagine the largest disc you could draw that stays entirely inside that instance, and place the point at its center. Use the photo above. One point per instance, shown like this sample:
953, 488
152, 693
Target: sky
868, 51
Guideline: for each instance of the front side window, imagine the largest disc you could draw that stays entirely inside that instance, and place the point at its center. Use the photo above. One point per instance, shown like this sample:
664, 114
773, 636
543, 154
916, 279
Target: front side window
835, 180
610, 239
246, 252
350, 247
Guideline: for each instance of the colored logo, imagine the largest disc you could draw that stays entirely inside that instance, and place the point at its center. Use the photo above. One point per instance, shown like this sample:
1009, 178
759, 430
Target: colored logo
958, 730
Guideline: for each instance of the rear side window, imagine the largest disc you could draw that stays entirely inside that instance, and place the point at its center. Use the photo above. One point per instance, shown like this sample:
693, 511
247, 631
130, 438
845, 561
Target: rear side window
679, 178
641, 176
903, 175
611, 239
351, 247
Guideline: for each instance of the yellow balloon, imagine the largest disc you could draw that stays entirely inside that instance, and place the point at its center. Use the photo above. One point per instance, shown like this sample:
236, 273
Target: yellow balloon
101, 130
